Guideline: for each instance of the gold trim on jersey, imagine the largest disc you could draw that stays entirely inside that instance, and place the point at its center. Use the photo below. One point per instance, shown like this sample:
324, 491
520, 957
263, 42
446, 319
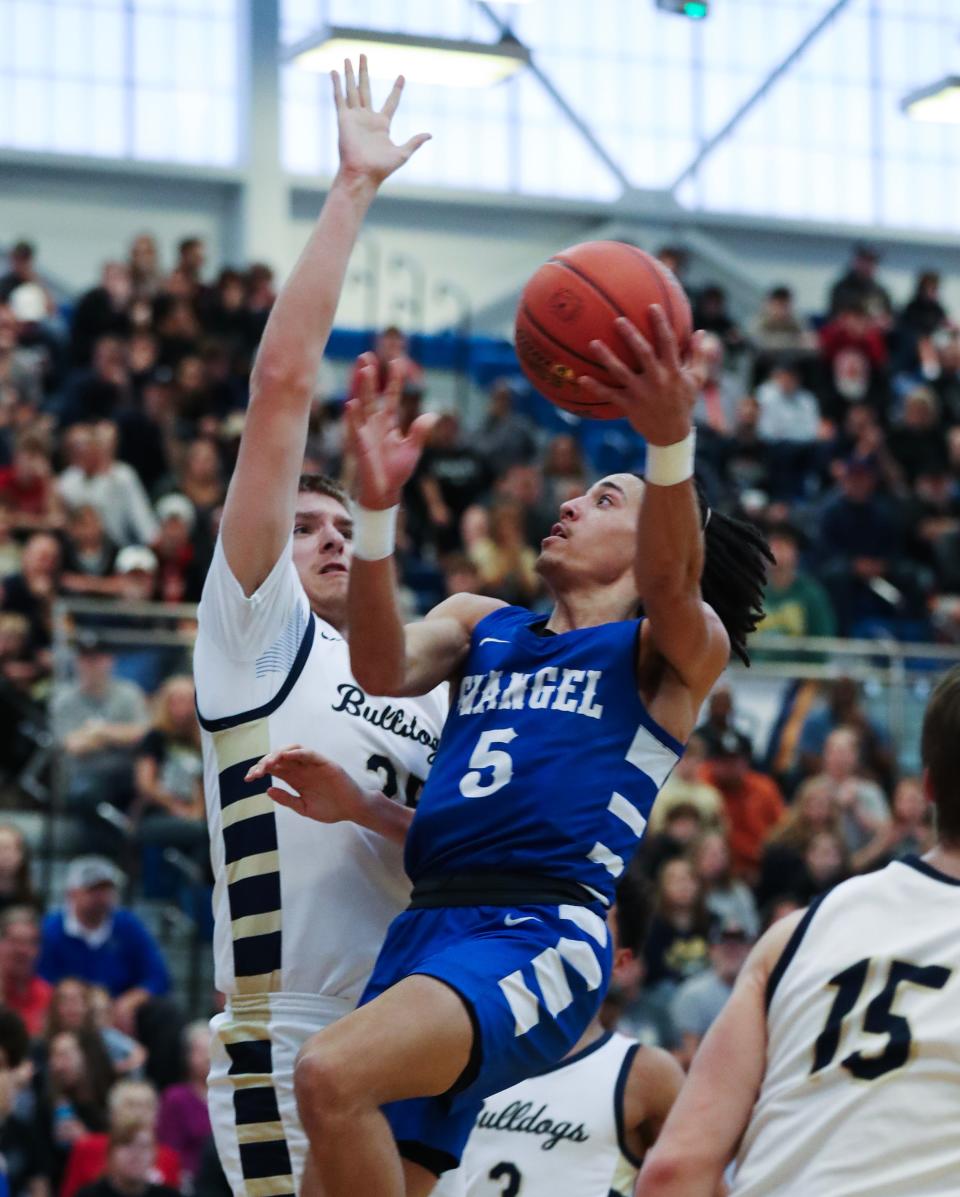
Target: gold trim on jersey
260, 1132
257, 865
248, 830
241, 743
256, 924
270, 1186
253, 1027
260, 983
246, 808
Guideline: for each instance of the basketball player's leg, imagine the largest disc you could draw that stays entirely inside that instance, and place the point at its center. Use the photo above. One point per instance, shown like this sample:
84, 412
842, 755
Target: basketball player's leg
417, 1180
253, 1113
415, 1040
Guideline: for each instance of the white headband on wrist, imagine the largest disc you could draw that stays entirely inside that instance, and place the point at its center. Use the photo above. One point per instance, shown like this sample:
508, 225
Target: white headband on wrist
669, 464
374, 533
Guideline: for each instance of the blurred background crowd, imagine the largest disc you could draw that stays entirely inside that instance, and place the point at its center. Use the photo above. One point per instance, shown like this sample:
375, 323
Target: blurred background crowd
120, 416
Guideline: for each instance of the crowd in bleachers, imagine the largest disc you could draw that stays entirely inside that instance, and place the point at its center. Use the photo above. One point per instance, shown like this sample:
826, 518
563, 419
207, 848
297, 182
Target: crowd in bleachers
120, 418
102, 1086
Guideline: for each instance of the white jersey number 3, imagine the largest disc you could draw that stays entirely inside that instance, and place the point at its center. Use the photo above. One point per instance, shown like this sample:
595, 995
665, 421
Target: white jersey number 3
490, 768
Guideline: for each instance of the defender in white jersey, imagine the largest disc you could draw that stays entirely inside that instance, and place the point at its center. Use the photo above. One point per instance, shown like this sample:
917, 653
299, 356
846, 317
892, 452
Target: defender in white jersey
301, 908
836, 1064
584, 1126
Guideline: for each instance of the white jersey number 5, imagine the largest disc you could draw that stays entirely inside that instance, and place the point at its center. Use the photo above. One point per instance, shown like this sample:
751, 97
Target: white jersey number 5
480, 781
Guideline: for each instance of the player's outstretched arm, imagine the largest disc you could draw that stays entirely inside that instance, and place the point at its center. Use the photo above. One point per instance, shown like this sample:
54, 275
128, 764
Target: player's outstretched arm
657, 392
321, 790
709, 1117
386, 657
261, 500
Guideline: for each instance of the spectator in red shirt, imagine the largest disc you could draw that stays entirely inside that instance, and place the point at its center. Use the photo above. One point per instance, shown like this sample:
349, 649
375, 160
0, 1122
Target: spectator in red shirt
128, 1101
854, 351
179, 580
23, 991
390, 350
753, 803
129, 1169
28, 485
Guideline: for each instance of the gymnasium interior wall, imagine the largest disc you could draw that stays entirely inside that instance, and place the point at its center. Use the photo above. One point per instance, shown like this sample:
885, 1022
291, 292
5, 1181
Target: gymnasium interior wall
80, 216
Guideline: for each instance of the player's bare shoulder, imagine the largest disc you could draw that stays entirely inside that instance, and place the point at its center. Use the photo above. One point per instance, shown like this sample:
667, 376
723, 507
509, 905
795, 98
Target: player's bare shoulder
652, 1085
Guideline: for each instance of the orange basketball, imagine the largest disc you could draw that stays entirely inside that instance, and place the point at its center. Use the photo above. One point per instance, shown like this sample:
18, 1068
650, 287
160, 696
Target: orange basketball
574, 299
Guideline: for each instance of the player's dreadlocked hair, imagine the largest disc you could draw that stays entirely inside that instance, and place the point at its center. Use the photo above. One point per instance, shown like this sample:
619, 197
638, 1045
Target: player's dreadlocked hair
734, 573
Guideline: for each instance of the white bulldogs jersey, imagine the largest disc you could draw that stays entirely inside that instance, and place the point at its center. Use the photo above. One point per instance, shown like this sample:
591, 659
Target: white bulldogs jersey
861, 1096
299, 907
557, 1133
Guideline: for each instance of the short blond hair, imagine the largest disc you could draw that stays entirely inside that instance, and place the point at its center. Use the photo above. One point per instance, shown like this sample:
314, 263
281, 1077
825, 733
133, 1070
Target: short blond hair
121, 1092
125, 1130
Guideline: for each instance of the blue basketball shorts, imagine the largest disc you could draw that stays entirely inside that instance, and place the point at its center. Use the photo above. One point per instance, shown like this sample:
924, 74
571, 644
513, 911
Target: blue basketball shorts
532, 979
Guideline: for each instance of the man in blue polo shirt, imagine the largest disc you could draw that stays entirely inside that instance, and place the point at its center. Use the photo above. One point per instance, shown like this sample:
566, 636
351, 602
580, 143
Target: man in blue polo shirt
91, 938
96, 940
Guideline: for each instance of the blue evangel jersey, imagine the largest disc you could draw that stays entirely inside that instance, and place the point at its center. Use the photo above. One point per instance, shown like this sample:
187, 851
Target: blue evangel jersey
549, 762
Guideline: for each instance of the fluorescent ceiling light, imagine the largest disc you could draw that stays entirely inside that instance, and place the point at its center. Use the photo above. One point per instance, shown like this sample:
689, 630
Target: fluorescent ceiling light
939, 103
435, 60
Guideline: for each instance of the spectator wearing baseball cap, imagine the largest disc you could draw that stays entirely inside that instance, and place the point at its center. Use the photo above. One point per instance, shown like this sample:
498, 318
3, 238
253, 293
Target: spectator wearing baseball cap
94, 939
721, 722
859, 288
136, 566
178, 579
98, 721
699, 1000
752, 801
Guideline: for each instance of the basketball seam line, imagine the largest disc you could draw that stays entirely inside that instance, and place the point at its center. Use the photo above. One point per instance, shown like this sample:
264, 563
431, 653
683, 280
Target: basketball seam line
560, 344
590, 283
661, 282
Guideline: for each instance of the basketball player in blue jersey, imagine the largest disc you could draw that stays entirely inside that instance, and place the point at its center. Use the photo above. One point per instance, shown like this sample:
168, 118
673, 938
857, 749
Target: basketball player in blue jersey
584, 1125
560, 734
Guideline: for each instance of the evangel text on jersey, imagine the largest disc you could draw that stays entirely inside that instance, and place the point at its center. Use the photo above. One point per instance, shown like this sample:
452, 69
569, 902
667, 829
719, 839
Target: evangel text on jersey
572, 690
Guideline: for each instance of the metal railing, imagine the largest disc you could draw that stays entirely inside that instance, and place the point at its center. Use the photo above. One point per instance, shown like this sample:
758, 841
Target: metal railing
895, 676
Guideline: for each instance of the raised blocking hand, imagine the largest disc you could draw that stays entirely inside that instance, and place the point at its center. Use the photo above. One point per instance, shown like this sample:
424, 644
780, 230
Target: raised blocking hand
366, 150
385, 456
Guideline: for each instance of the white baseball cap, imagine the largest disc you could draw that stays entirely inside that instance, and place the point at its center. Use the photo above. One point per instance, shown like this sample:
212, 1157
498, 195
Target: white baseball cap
134, 557
178, 505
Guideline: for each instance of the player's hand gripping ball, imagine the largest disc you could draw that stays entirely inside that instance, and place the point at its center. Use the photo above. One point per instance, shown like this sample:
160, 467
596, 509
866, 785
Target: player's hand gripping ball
574, 299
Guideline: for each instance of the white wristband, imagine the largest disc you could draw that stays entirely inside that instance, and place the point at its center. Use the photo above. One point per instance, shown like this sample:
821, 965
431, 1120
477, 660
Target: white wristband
374, 533
669, 464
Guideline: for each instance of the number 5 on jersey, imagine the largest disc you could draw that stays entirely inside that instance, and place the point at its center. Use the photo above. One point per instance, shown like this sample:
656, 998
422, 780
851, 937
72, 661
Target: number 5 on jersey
490, 768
